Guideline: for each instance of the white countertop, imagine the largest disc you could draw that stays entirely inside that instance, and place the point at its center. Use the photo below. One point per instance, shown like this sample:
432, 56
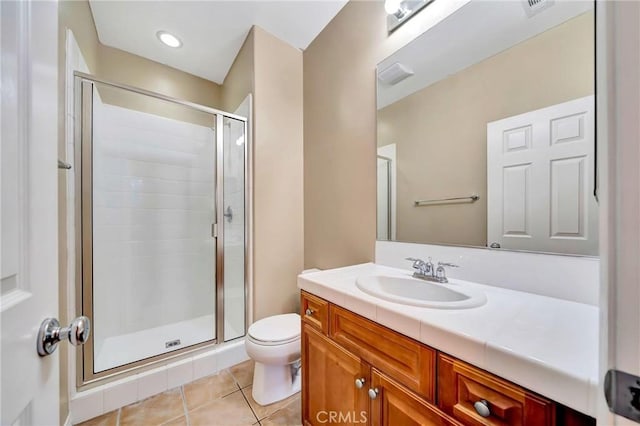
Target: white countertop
547, 345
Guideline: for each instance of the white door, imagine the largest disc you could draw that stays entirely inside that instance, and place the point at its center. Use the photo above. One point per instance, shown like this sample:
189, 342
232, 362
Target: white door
28, 209
540, 180
618, 47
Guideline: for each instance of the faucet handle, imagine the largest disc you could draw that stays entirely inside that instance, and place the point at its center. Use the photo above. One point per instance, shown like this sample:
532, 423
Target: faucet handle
417, 263
450, 265
420, 265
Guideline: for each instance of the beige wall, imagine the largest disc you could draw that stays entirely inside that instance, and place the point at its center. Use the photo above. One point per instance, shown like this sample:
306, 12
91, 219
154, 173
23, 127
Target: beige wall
239, 81
272, 71
440, 131
278, 173
123, 67
340, 130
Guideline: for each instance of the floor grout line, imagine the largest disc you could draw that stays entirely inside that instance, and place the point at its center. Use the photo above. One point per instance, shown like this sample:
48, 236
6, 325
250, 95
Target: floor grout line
184, 406
249, 405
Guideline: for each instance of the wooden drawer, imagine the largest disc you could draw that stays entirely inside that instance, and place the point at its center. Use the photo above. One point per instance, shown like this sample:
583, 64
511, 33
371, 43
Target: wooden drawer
460, 385
315, 312
407, 361
395, 405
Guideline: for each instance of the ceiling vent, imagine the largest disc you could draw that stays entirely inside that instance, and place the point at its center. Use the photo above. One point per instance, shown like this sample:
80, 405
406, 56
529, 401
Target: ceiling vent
533, 7
394, 74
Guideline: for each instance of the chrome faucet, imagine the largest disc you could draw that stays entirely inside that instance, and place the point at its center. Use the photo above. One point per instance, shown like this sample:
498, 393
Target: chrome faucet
426, 270
423, 269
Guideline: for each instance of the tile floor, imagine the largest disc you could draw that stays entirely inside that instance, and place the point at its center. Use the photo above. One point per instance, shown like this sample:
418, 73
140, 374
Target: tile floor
222, 399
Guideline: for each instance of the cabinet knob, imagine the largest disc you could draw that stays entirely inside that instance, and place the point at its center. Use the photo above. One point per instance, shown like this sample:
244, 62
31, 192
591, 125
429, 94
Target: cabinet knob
308, 312
360, 382
482, 408
373, 393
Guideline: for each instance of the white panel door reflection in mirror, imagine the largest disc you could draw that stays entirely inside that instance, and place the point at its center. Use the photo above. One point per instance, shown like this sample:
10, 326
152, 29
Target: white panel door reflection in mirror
540, 176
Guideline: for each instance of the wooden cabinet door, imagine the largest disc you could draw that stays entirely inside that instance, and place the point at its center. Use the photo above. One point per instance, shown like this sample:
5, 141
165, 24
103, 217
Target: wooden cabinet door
395, 405
329, 393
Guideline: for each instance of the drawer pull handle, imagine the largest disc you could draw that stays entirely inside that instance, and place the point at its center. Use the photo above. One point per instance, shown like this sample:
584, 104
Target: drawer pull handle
360, 382
309, 312
373, 393
482, 408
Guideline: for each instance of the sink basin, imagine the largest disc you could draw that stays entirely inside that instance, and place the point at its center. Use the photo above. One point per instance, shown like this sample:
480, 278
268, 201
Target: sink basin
416, 292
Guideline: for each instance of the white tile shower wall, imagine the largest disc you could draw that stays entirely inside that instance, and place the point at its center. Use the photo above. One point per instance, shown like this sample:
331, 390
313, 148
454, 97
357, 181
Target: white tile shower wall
136, 387
565, 277
153, 188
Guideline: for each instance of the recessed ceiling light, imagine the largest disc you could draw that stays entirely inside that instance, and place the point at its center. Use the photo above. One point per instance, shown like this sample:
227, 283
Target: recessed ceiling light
168, 39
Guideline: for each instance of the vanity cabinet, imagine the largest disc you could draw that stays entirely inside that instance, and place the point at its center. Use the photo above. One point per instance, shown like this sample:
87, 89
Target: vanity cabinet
339, 387
340, 384
355, 371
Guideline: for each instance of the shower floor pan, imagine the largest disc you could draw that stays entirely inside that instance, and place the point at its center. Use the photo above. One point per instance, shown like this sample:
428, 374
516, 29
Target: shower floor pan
127, 348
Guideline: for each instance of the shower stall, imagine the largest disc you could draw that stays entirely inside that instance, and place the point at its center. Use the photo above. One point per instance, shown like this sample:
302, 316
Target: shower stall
161, 225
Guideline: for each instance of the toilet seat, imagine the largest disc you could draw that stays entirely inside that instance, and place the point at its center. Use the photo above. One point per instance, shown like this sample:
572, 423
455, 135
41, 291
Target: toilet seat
275, 330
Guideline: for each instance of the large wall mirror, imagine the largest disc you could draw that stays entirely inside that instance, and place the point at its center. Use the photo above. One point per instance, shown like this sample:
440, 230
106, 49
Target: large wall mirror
486, 131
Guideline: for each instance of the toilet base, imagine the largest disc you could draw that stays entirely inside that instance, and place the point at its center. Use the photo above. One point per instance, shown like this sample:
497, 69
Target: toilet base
273, 383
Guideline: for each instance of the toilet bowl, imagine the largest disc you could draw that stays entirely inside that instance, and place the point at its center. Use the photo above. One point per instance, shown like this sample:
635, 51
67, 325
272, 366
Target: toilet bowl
274, 344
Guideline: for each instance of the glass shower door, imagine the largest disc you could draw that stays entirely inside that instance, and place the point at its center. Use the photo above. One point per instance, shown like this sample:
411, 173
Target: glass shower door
148, 207
233, 241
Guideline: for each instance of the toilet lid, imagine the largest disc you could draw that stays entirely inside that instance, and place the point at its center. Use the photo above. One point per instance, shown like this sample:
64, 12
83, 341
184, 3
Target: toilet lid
278, 328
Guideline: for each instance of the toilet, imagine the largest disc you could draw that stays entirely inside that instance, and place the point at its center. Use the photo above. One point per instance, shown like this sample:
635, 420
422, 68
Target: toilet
274, 344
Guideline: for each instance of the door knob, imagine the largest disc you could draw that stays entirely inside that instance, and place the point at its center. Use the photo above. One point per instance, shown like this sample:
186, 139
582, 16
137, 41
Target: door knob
50, 334
308, 312
360, 382
373, 393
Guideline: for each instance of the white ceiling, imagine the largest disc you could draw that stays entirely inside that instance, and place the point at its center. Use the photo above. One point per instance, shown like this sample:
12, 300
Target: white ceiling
212, 32
476, 31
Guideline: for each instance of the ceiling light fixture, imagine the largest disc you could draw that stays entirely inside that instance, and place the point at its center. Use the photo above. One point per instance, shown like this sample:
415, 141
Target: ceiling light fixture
392, 6
400, 11
168, 39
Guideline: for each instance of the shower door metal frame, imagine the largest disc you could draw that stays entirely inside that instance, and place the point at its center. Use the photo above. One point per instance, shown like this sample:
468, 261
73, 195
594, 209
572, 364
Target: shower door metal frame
389, 210
83, 145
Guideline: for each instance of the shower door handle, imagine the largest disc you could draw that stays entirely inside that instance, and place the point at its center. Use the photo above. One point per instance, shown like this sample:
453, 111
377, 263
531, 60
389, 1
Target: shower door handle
50, 334
228, 213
